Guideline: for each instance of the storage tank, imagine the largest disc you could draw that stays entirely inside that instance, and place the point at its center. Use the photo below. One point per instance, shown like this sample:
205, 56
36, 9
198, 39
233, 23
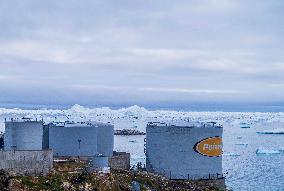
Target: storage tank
23, 135
73, 140
105, 139
187, 151
99, 162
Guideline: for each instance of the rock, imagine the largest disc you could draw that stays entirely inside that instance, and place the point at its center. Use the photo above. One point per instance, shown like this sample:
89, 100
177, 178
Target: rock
135, 186
128, 132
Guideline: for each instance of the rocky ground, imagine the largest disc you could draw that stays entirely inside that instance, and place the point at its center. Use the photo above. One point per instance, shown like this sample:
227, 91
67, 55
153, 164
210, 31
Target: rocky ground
72, 176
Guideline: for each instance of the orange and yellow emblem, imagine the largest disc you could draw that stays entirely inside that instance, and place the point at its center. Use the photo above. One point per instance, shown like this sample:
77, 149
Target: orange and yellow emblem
211, 147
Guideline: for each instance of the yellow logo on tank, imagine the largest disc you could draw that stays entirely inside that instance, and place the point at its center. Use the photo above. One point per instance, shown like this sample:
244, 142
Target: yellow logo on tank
211, 147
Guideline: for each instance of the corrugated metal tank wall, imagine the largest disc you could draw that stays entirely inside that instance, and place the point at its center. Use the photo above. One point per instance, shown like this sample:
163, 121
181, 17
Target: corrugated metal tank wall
23, 135
73, 141
105, 139
170, 152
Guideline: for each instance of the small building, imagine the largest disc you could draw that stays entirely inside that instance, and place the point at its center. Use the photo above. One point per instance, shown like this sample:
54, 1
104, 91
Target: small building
120, 160
184, 151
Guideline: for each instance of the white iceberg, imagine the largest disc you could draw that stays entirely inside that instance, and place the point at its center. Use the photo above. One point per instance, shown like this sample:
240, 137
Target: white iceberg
231, 154
137, 117
269, 151
244, 125
273, 131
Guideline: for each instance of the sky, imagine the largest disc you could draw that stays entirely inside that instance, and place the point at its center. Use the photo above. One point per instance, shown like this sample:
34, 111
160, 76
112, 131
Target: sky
150, 52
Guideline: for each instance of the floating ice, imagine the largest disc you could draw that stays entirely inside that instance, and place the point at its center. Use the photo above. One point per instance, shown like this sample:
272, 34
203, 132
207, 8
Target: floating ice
242, 144
244, 125
231, 154
137, 117
273, 131
269, 152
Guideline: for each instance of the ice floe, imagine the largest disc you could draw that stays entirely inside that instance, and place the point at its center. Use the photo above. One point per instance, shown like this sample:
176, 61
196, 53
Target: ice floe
273, 131
137, 117
262, 151
244, 125
241, 144
231, 154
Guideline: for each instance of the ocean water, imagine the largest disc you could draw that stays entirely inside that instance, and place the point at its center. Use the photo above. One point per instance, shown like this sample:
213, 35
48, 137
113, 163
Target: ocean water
251, 171
246, 170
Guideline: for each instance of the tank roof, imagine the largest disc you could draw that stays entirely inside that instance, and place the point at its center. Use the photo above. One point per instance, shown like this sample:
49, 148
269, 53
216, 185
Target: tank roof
76, 124
188, 124
23, 120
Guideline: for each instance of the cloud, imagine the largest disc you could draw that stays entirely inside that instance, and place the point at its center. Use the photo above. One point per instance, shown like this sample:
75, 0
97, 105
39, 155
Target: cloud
36, 51
182, 90
113, 52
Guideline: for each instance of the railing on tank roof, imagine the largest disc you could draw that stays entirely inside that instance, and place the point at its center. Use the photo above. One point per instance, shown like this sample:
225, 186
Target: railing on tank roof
23, 119
184, 124
68, 123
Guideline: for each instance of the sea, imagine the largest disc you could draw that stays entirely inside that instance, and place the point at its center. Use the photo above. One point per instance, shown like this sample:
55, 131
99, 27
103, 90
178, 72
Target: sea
253, 138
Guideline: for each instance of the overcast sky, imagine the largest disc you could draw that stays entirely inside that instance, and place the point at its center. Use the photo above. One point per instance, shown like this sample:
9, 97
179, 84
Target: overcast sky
115, 52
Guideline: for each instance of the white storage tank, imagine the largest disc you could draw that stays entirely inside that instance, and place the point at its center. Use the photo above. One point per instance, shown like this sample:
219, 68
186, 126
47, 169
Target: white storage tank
23, 135
73, 140
105, 139
187, 151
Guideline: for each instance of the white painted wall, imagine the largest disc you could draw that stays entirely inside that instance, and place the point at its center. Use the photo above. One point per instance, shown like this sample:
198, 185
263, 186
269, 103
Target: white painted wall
27, 162
170, 152
105, 139
23, 135
64, 141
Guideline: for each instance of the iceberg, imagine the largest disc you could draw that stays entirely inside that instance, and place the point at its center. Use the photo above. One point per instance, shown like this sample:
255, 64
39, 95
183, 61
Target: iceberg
273, 131
137, 117
244, 125
269, 152
231, 154
242, 144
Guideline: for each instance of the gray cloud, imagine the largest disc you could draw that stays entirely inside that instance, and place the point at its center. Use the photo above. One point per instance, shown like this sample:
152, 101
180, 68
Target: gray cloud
144, 52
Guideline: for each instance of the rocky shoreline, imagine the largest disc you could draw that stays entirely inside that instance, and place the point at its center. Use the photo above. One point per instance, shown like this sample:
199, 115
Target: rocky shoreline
128, 132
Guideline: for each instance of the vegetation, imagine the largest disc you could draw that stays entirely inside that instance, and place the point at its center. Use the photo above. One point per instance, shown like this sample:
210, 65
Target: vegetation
73, 176
4, 180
